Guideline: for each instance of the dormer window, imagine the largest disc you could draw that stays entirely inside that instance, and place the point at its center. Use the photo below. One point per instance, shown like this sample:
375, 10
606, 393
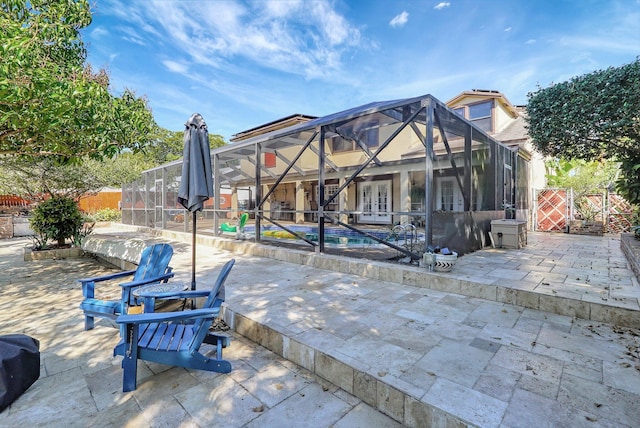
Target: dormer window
479, 114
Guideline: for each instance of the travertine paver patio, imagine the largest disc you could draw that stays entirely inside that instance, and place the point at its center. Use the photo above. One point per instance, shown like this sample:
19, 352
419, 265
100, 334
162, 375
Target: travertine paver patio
424, 356
81, 382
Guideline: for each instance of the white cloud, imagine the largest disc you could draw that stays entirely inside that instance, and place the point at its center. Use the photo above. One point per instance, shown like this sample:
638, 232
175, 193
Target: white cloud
133, 36
335, 27
99, 32
399, 20
176, 67
530, 42
128, 14
281, 9
303, 38
506, 30
442, 5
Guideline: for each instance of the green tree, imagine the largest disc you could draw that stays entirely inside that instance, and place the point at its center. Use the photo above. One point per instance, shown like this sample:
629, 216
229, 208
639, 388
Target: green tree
216, 141
51, 104
582, 176
628, 185
119, 170
39, 179
592, 117
167, 146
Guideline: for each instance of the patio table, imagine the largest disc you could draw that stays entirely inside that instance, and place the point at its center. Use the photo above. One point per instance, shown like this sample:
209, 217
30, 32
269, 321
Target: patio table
151, 292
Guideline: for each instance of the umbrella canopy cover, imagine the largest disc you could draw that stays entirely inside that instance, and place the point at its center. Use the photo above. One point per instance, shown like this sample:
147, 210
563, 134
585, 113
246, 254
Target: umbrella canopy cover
196, 184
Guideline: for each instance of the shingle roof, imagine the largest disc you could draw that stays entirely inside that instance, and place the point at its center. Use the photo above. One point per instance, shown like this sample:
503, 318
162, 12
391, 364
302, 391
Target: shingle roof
515, 132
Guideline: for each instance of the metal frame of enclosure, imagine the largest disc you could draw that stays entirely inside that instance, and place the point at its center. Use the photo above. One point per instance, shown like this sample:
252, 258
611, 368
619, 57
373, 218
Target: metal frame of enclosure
404, 165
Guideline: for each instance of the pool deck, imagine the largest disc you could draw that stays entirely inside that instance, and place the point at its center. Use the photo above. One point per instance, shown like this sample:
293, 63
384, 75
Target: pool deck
546, 335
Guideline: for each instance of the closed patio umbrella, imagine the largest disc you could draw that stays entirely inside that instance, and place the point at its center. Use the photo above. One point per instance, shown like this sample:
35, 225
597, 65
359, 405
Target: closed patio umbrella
196, 184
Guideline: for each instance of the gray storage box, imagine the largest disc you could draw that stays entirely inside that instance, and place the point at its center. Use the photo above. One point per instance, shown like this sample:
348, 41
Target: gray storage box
509, 233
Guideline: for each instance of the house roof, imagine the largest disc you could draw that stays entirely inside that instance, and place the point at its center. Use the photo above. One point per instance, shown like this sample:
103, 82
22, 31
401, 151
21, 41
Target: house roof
284, 122
515, 132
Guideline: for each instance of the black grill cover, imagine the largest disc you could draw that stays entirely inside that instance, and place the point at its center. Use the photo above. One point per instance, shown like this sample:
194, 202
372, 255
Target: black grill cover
19, 366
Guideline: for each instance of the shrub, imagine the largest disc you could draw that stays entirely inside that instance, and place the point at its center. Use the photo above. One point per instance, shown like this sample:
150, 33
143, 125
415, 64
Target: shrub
56, 219
87, 228
107, 214
635, 222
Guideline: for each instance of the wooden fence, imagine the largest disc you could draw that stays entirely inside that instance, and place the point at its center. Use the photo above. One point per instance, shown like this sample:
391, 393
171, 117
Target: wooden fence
88, 204
13, 201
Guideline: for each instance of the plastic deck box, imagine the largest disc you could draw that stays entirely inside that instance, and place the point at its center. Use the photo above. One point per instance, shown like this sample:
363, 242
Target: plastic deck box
509, 233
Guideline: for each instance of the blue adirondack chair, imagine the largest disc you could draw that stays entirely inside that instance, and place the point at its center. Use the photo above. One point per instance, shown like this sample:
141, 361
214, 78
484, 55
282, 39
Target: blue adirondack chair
174, 338
152, 268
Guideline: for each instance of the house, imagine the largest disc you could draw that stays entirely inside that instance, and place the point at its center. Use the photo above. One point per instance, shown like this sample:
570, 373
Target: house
490, 110
372, 169
432, 171
493, 113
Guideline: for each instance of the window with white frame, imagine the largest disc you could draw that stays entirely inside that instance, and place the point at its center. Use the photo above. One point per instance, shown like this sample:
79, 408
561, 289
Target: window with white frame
479, 113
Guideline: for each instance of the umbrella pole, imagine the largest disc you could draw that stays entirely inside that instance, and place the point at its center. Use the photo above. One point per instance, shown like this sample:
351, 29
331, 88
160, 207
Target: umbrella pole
193, 254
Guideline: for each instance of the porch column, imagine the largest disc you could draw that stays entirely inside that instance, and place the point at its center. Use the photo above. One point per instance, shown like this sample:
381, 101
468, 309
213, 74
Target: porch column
299, 215
266, 207
234, 203
343, 201
405, 200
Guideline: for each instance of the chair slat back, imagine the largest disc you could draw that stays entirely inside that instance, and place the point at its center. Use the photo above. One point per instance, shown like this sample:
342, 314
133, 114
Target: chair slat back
154, 261
214, 300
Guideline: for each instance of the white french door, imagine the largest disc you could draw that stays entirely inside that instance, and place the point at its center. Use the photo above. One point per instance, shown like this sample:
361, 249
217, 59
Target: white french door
374, 200
448, 195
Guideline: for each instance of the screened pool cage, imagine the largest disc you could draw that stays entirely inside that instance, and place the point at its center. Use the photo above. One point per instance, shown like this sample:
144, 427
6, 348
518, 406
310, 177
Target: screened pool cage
385, 180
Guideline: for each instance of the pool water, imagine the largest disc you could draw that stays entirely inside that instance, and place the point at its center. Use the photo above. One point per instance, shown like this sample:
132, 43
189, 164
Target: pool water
335, 237
346, 241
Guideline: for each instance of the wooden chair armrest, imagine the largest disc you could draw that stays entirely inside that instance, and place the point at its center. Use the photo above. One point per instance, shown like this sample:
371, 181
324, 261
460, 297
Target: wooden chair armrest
107, 277
157, 317
146, 281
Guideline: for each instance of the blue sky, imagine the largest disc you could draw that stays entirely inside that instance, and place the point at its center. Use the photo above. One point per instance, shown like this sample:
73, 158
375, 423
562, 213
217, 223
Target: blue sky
244, 63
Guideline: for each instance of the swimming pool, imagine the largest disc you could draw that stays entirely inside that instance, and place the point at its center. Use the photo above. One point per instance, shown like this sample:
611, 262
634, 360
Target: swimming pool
334, 237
